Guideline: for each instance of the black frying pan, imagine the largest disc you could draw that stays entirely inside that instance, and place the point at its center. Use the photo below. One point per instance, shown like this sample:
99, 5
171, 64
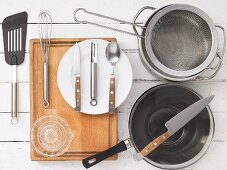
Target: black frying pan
147, 121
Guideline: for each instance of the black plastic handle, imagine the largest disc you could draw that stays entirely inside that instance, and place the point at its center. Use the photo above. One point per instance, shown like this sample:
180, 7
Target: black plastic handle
94, 159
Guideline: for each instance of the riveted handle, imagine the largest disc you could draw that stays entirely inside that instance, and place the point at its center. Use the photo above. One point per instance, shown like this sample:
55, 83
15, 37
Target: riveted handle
154, 144
112, 94
77, 93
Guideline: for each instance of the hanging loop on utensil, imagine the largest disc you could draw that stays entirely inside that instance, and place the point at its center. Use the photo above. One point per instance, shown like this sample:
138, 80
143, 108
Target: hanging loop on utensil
14, 121
93, 102
45, 104
109, 18
220, 53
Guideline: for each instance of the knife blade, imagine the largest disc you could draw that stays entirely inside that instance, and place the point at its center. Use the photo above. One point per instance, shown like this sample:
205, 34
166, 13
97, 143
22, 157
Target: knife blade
76, 73
175, 124
76, 60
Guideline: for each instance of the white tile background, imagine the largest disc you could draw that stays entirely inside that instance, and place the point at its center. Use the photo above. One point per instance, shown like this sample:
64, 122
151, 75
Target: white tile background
14, 140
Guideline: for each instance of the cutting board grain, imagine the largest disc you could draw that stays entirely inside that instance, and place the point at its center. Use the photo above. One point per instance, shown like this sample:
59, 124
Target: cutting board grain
92, 133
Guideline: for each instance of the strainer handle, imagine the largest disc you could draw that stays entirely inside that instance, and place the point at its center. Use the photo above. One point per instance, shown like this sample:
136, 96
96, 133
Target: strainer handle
138, 14
220, 53
108, 18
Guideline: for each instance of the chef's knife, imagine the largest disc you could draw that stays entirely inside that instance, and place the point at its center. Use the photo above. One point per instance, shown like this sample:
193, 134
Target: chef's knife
76, 73
174, 124
94, 53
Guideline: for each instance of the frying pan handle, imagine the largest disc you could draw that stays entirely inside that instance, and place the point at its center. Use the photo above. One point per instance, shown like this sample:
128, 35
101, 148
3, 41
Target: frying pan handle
108, 18
220, 53
138, 14
94, 159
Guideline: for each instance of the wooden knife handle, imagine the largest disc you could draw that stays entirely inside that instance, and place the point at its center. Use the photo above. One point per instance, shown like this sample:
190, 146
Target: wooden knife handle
154, 144
112, 94
77, 91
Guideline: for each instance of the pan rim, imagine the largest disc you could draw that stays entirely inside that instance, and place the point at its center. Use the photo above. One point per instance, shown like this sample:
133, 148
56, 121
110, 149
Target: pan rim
196, 157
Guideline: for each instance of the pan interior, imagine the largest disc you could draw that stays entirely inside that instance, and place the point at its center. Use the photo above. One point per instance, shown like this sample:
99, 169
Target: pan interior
147, 122
181, 40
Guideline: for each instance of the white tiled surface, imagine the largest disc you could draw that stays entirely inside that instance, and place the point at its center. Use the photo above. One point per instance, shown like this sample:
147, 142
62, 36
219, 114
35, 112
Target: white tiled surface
14, 140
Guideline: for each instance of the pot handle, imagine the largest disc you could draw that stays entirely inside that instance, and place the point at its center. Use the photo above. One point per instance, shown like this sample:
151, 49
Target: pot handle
94, 159
220, 53
138, 14
112, 19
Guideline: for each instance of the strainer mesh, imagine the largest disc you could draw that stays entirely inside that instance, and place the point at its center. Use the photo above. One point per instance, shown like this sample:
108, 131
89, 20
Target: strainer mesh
181, 40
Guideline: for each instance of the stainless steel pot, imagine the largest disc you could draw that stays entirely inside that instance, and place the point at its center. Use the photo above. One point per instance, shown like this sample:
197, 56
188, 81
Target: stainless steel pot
177, 42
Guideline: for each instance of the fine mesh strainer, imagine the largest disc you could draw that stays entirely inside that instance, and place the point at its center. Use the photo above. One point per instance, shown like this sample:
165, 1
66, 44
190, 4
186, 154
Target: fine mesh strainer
177, 42
175, 35
180, 42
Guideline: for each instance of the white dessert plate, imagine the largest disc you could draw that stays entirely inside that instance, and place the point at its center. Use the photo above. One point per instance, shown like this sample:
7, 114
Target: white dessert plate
66, 79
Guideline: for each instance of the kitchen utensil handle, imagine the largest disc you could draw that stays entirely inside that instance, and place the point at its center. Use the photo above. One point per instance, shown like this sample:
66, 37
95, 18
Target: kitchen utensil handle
14, 102
45, 86
112, 93
220, 53
93, 84
77, 93
138, 14
109, 18
154, 144
93, 160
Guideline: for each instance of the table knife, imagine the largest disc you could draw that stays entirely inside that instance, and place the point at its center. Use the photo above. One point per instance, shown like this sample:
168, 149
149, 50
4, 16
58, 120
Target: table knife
76, 73
174, 124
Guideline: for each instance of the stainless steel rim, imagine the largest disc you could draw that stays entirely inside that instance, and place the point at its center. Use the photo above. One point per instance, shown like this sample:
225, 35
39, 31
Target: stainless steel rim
157, 72
158, 66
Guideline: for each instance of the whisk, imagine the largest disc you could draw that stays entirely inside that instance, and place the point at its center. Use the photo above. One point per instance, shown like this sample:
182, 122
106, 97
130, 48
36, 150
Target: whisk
45, 28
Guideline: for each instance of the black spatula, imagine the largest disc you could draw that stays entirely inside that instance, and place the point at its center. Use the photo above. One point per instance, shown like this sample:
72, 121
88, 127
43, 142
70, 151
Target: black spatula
14, 30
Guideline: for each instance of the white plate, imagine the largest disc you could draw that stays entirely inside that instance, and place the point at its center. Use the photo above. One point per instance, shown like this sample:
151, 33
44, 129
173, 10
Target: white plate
66, 80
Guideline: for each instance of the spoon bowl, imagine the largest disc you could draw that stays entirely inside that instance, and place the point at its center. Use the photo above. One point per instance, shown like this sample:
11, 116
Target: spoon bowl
113, 52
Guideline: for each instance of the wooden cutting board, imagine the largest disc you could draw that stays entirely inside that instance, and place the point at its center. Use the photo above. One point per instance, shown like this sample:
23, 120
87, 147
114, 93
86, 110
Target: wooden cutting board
92, 133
